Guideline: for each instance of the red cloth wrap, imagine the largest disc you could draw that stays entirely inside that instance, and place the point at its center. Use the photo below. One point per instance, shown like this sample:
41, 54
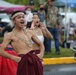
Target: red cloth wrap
30, 64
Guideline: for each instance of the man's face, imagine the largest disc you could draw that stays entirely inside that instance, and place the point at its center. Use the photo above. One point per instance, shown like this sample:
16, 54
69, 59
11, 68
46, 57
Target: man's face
51, 3
32, 6
19, 21
41, 6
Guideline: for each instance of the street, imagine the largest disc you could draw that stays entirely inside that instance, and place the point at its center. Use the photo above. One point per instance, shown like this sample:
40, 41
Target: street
66, 69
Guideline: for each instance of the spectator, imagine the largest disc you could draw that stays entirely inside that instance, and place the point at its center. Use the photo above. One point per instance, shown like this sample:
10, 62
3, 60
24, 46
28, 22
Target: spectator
32, 6
61, 28
1, 27
52, 16
28, 15
71, 29
71, 23
41, 14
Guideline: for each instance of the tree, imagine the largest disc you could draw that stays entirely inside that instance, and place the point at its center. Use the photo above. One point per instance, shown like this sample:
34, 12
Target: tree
21, 2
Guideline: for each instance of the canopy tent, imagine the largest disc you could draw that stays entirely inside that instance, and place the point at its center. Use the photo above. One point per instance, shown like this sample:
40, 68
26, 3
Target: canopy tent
69, 3
59, 4
2, 9
9, 7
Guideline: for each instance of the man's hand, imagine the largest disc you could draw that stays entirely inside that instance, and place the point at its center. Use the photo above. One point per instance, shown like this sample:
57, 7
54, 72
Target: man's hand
18, 59
40, 56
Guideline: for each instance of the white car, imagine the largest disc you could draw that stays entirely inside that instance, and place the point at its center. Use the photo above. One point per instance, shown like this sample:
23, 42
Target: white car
7, 23
4, 16
6, 19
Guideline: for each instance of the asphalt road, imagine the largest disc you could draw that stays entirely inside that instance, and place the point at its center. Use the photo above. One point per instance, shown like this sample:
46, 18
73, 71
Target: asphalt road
67, 69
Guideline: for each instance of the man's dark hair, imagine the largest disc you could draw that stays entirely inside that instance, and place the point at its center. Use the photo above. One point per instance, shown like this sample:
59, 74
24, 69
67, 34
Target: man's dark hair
31, 3
29, 24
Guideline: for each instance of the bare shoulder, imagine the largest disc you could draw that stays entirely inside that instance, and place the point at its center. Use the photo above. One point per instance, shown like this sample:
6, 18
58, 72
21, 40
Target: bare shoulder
30, 31
8, 35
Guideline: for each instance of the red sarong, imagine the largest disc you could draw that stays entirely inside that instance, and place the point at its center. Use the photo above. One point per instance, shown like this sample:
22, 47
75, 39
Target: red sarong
30, 64
8, 66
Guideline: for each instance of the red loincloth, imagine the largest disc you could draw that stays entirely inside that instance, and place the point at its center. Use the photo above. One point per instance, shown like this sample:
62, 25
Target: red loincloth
8, 66
30, 64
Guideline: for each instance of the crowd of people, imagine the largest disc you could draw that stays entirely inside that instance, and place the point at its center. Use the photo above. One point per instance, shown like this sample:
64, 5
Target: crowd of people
32, 36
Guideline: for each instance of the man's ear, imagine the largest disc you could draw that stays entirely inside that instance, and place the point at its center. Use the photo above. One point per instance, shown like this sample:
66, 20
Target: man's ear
13, 21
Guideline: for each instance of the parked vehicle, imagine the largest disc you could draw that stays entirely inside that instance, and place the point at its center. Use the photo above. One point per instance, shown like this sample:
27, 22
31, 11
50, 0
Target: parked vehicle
7, 23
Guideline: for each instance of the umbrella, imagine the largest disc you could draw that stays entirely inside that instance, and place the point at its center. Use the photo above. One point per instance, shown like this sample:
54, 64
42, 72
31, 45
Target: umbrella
70, 3
59, 4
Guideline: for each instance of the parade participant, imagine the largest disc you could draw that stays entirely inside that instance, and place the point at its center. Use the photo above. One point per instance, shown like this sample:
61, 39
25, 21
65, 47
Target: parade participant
39, 29
21, 40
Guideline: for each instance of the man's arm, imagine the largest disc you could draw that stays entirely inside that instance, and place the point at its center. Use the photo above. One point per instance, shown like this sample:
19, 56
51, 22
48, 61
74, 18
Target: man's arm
3, 53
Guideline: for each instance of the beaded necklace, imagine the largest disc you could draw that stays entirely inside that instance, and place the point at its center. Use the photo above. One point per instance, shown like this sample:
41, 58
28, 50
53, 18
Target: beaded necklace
28, 42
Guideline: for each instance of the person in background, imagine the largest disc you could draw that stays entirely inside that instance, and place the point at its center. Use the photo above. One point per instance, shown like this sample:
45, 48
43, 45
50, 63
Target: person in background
28, 15
32, 6
61, 28
21, 40
71, 30
51, 19
41, 14
39, 29
71, 22
2, 27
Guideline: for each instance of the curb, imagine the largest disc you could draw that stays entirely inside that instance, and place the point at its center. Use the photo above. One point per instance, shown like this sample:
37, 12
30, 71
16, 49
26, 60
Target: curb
62, 60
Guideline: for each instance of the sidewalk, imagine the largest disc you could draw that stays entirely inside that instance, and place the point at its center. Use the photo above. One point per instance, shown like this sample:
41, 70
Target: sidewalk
61, 60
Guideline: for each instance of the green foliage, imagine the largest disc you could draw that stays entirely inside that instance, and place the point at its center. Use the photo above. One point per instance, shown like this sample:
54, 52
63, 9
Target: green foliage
26, 2
1, 39
22, 2
74, 9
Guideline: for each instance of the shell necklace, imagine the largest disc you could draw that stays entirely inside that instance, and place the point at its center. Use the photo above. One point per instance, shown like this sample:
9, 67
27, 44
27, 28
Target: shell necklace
27, 42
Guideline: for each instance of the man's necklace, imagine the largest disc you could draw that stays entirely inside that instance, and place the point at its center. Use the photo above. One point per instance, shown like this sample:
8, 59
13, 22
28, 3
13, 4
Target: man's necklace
27, 42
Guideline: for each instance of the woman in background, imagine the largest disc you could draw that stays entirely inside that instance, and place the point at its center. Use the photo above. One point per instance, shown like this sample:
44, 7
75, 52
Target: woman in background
39, 29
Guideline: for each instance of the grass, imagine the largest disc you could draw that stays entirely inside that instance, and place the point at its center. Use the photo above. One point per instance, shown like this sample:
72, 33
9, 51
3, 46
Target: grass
64, 53
1, 39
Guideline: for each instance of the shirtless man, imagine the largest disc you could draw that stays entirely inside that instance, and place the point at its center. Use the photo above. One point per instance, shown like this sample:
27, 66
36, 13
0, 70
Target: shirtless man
28, 61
